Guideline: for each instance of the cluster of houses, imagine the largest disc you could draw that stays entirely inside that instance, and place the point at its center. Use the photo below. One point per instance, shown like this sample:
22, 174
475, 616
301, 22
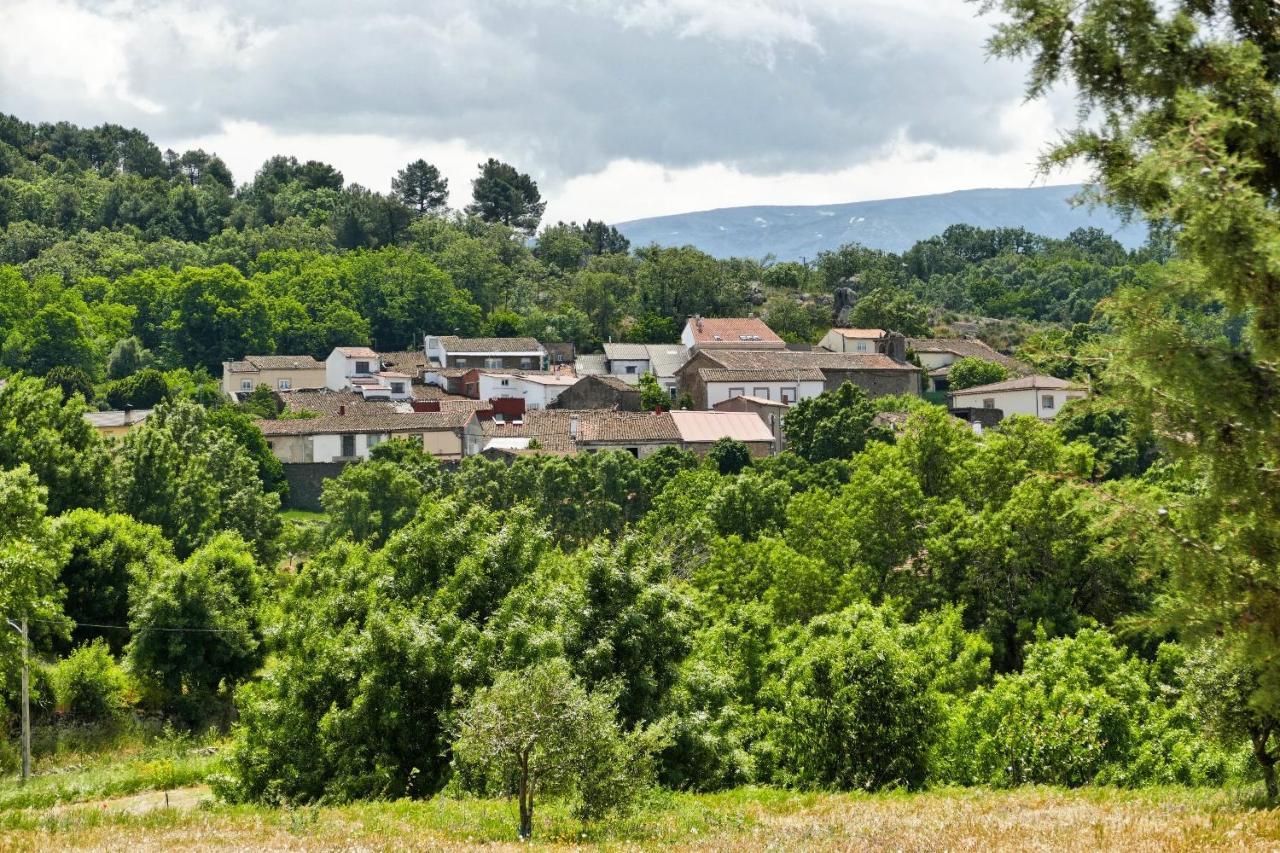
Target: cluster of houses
502, 397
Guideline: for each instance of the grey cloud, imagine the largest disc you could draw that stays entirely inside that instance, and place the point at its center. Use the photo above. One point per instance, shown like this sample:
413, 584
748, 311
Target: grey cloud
571, 86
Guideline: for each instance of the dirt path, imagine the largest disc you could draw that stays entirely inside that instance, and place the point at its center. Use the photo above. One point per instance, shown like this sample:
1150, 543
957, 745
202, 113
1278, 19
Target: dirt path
182, 799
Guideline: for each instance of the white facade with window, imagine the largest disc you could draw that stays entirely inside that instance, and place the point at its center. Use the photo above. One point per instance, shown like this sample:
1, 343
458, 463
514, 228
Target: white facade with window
1039, 396
791, 391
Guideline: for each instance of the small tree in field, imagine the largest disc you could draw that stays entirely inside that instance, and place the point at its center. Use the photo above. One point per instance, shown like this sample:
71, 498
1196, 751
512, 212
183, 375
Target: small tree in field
540, 732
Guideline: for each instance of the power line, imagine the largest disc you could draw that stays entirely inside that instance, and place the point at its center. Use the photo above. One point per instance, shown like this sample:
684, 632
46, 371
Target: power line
165, 629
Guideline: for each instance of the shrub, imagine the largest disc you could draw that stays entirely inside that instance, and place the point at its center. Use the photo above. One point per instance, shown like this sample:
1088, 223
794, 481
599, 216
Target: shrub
971, 372
89, 685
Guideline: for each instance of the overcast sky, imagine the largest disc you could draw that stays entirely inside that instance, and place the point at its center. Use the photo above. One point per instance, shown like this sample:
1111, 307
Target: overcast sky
619, 108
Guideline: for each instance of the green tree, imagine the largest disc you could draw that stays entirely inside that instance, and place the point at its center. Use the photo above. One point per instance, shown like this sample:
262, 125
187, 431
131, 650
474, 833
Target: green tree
29, 559
220, 316
833, 425
892, 310
145, 389
971, 372
1184, 135
188, 476
66, 454
653, 397
502, 194
729, 456
89, 685
370, 500
127, 357
214, 599
421, 187
108, 558
543, 731
853, 707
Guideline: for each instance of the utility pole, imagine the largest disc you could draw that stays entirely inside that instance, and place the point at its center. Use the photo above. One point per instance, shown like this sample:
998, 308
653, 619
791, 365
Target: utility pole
26, 705
21, 628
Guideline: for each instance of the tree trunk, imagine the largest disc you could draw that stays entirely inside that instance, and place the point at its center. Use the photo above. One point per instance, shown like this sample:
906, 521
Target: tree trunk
1268, 763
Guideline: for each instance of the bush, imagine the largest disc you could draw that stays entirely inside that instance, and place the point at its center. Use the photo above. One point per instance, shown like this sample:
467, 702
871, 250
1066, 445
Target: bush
89, 685
972, 372
145, 389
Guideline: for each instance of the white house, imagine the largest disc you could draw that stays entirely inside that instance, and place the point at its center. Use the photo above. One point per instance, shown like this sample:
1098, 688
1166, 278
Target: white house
493, 353
538, 390
351, 436
360, 369
854, 340
628, 361
631, 361
783, 385
1038, 395
936, 355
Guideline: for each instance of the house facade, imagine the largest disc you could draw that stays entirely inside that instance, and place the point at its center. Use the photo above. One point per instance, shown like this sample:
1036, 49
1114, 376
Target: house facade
741, 372
936, 355
451, 351
866, 341
352, 437
277, 372
537, 390
1036, 395
771, 412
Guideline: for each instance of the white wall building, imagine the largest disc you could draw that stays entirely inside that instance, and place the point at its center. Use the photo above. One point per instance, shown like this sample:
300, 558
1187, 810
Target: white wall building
538, 390
1037, 395
783, 386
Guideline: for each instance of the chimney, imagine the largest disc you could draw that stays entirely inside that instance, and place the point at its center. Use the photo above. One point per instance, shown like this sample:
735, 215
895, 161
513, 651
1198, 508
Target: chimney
697, 319
342, 410
573, 427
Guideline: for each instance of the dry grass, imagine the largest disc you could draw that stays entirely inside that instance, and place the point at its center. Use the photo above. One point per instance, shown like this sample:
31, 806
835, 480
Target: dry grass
743, 820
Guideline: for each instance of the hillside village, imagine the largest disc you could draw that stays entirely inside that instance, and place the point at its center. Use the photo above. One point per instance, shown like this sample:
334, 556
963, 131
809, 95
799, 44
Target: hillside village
726, 378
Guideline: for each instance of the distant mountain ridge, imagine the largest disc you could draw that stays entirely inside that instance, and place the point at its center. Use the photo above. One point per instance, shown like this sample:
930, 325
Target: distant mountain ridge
802, 231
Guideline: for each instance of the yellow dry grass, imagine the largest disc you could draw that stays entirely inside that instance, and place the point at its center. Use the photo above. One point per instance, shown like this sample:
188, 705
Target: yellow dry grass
1032, 819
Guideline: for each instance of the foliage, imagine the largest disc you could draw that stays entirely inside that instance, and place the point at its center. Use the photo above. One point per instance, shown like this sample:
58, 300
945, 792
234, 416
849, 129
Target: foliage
371, 500
503, 194
729, 456
833, 425
542, 732
653, 397
89, 685
196, 629
971, 372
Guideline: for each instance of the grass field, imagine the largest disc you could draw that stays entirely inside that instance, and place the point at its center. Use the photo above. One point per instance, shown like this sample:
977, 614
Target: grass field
119, 802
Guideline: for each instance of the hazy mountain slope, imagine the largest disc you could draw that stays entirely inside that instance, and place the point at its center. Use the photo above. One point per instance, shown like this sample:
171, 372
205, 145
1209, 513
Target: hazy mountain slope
797, 232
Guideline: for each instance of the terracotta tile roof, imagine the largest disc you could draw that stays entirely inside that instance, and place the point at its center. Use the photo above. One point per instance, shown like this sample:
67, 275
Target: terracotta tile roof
860, 333
454, 345
624, 427
412, 361
795, 374
965, 348
751, 398
627, 352
357, 352
328, 402
1034, 382
254, 363
703, 427
386, 420
591, 364
708, 330
617, 383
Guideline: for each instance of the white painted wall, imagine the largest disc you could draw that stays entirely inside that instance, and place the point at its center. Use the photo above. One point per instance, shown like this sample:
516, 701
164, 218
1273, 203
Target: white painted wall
718, 392
328, 447
1028, 402
934, 360
836, 342
338, 370
639, 367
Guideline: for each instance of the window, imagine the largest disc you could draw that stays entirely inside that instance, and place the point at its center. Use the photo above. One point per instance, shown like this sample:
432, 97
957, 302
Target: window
672, 391
526, 364
397, 387
862, 346
246, 385
788, 395
284, 384
1046, 401
362, 367
988, 402
762, 393
506, 383
271, 445
459, 362
348, 446
493, 362
737, 392
373, 441
631, 368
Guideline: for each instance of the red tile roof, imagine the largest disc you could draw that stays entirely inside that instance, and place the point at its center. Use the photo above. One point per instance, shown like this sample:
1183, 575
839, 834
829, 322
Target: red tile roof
707, 330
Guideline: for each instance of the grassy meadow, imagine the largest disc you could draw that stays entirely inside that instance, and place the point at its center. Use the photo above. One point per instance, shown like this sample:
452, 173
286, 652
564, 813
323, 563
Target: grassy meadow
153, 796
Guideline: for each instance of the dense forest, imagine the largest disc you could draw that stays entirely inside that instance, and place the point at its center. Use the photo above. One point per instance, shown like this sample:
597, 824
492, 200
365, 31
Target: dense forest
116, 257
1087, 601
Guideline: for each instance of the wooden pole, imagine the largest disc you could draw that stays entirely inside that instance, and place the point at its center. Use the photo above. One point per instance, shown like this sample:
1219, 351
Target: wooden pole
26, 706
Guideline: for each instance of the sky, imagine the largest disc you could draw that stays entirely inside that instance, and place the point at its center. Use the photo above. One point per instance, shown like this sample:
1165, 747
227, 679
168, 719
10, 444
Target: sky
619, 109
